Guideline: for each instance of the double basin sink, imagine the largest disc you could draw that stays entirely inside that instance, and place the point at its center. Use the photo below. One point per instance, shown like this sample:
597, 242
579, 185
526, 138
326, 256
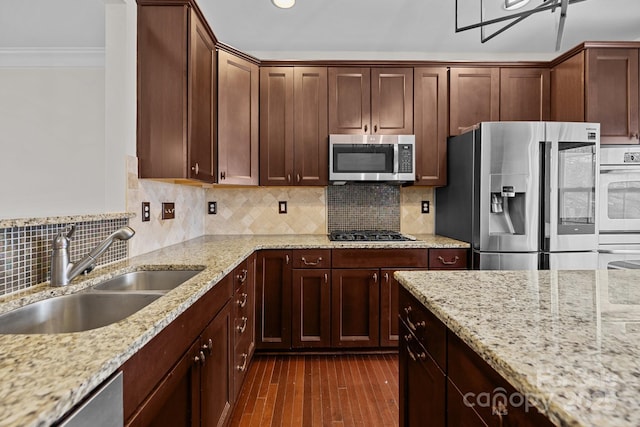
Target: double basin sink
103, 304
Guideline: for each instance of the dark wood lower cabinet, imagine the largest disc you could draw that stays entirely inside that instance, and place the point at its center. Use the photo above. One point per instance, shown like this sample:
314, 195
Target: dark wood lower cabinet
452, 393
273, 299
355, 302
422, 385
311, 312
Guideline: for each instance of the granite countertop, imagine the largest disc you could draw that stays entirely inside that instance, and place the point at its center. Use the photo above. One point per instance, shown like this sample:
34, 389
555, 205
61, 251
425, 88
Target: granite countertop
568, 340
44, 376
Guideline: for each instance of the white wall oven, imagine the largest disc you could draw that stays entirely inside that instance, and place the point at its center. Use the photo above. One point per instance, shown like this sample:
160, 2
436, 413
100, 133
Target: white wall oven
619, 207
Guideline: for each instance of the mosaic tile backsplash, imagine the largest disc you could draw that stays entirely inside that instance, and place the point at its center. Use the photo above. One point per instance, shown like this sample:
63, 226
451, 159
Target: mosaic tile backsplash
363, 207
25, 251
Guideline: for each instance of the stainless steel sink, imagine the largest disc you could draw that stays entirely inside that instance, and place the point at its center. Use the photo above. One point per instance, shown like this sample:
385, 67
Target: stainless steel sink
147, 280
73, 313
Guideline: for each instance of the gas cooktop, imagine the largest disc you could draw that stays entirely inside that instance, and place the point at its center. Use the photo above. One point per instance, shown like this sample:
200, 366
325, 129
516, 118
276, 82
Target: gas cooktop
367, 236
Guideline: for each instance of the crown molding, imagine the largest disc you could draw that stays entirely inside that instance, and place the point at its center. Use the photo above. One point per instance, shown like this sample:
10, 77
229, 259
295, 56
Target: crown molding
52, 57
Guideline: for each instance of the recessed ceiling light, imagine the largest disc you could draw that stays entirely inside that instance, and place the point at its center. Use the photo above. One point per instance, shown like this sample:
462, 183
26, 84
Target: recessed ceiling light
284, 4
514, 4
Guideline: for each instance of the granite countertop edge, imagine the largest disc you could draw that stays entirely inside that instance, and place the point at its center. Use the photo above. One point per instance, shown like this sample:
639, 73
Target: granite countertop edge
33, 394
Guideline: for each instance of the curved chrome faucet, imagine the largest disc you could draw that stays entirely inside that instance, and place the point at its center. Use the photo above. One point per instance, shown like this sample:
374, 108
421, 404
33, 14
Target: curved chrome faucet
63, 270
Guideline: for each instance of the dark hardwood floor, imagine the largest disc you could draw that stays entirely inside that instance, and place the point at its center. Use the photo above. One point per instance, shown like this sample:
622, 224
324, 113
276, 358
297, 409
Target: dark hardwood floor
326, 390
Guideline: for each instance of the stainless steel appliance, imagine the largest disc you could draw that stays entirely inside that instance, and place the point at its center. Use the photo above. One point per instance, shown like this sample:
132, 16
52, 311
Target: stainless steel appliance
367, 236
619, 210
387, 158
523, 194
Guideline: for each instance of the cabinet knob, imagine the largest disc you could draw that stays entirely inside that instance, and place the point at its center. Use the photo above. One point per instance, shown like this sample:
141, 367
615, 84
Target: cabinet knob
365, 128
375, 128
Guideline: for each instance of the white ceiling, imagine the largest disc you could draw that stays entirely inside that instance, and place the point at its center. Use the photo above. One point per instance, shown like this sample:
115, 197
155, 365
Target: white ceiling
339, 29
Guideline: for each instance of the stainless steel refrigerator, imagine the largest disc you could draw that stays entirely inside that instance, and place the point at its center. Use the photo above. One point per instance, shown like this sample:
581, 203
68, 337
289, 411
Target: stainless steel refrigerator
523, 194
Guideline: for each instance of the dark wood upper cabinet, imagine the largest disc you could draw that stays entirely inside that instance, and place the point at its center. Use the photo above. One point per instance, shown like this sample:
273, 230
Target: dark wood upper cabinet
567, 90
431, 113
474, 97
612, 94
238, 123
525, 94
294, 144
370, 100
176, 94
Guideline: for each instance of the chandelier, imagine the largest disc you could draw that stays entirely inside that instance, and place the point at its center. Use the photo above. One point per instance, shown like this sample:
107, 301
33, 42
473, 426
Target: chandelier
515, 17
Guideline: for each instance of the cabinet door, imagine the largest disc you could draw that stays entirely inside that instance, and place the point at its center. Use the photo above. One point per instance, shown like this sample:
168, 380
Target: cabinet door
216, 377
431, 112
162, 91
311, 308
349, 100
422, 385
355, 302
238, 124
567, 90
612, 94
273, 309
474, 97
202, 103
388, 309
525, 94
176, 399
276, 125
311, 132
392, 101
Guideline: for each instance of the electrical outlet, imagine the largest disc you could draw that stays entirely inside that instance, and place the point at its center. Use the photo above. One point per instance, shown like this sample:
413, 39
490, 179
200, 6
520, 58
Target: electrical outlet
146, 211
168, 210
212, 208
425, 206
282, 207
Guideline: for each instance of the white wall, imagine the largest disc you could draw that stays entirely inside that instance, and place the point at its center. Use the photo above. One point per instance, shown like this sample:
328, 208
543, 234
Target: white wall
52, 141
67, 113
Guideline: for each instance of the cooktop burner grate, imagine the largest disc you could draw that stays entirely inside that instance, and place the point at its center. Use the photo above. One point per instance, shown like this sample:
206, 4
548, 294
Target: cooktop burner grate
367, 236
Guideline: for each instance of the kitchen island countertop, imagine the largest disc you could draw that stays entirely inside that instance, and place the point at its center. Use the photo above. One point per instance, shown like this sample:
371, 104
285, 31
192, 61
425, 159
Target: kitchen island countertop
44, 376
568, 340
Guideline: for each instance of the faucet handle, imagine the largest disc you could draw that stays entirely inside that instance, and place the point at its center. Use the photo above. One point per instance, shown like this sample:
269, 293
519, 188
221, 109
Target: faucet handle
71, 231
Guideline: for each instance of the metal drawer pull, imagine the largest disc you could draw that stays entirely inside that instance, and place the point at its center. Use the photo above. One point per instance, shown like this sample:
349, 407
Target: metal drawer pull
386, 277
243, 300
422, 355
305, 262
326, 278
375, 277
196, 168
242, 328
242, 276
445, 262
298, 177
286, 259
500, 410
208, 346
288, 177
199, 358
414, 326
245, 358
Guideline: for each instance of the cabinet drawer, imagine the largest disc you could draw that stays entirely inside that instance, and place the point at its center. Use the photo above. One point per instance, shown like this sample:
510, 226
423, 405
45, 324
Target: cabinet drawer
448, 259
379, 258
312, 258
474, 378
430, 332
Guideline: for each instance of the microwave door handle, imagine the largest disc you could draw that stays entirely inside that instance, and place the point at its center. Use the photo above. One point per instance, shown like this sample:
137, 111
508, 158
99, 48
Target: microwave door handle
395, 159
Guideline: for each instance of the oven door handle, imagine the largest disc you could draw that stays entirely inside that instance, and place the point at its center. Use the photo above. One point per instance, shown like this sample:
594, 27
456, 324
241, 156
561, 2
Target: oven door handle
620, 169
396, 161
620, 251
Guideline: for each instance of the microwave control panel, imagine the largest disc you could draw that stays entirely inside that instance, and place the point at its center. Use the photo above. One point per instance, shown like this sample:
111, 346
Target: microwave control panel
405, 158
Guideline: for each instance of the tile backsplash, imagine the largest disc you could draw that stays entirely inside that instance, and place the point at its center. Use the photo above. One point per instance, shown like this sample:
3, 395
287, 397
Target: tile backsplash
363, 207
25, 251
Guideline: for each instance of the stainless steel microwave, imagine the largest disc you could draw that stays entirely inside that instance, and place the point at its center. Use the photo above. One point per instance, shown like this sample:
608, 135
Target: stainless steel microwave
386, 158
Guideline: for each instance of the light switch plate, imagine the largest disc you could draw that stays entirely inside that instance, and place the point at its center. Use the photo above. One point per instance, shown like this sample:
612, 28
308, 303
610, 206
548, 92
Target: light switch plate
168, 210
